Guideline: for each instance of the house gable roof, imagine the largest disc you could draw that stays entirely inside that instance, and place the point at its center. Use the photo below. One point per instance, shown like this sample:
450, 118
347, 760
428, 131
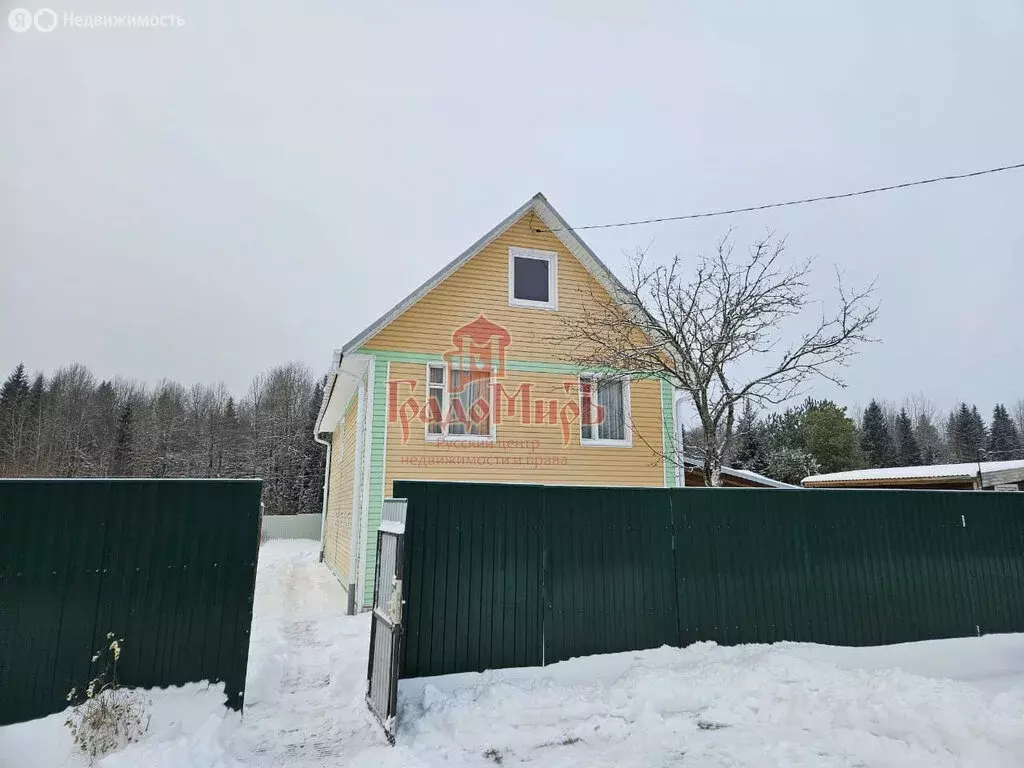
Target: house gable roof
335, 397
539, 205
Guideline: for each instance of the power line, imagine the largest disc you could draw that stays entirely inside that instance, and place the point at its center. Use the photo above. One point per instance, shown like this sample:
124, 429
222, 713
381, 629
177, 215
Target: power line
802, 201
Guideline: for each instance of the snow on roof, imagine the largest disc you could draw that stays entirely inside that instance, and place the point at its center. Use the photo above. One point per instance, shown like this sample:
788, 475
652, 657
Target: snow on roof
967, 471
693, 461
757, 478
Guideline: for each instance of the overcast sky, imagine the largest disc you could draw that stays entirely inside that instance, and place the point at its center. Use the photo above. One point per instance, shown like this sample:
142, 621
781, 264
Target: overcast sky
258, 185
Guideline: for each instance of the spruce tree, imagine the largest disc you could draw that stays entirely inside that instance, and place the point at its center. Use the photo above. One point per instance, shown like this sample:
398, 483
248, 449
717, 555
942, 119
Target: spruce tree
1004, 441
13, 416
875, 441
977, 432
958, 434
15, 388
908, 453
929, 440
311, 496
751, 451
229, 461
968, 436
123, 454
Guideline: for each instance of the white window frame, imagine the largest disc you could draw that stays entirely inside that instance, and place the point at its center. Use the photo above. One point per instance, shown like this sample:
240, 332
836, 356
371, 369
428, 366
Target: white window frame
444, 437
627, 429
528, 253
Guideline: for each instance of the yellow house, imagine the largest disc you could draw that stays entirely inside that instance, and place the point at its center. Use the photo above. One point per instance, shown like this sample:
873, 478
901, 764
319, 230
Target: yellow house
469, 378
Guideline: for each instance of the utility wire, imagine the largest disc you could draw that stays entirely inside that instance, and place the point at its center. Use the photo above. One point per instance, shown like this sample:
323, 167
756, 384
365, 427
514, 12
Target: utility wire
803, 201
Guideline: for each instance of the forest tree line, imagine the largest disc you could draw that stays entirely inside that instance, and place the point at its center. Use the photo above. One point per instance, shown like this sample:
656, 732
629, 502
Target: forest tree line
70, 424
819, 436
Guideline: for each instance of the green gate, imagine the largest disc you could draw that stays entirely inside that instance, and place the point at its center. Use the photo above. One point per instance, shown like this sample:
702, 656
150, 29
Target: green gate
169, 565
520, 575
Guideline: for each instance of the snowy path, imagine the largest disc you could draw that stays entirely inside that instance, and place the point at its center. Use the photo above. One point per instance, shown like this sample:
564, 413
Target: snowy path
956, 703
304, 703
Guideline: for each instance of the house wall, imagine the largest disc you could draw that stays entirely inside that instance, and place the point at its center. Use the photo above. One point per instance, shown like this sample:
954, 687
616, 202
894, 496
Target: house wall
536, 352
338, 526
529, 452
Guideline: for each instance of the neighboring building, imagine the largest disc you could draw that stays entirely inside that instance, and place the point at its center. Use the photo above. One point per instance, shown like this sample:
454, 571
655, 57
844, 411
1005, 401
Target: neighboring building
731, 478
972, 476
467, 378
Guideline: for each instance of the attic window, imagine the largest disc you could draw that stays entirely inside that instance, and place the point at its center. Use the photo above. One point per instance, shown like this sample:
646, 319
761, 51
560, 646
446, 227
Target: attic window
532, 278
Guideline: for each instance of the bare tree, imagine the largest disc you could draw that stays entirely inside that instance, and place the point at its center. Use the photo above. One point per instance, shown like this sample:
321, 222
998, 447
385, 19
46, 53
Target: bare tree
71, 389
252, 411
718, 335
924, 414
919, 405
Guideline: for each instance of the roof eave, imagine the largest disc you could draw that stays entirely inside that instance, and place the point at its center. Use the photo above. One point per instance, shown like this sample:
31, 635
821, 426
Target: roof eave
808, 483
349, 369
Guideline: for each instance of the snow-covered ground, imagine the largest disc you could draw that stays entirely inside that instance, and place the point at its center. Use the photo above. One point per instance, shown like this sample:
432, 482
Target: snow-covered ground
943, 703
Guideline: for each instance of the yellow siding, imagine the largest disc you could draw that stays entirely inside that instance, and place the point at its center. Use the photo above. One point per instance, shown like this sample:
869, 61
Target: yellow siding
338, 527
536, 453
481, 286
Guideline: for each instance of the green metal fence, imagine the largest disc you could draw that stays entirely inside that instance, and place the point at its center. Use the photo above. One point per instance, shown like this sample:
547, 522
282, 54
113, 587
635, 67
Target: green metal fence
169, 565
517, 575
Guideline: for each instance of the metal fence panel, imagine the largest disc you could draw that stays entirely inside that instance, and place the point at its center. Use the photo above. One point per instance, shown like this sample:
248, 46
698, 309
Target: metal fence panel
608, 571
169, 565
292, 526
837, 567
473, 578
516, 575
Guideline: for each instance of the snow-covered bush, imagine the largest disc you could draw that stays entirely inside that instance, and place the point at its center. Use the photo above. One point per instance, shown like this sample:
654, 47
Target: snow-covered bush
791, 465
107, 717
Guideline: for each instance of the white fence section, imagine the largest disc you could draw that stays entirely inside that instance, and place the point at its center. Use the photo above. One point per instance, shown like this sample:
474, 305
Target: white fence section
394, 512
292, 526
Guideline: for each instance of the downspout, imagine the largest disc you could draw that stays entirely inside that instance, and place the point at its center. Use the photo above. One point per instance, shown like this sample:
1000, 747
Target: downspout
357, 493
327, 489
678, 435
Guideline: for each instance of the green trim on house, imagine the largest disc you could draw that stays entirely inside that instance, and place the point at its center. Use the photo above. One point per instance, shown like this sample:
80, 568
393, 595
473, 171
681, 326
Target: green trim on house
512, 365
668, 434
397, 357
378, 430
